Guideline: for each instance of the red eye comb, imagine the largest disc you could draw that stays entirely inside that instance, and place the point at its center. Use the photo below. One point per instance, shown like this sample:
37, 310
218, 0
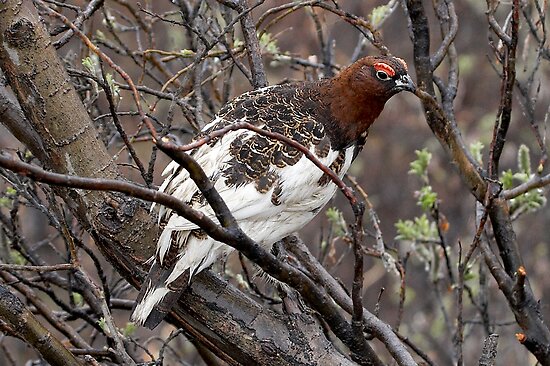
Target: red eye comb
381, 66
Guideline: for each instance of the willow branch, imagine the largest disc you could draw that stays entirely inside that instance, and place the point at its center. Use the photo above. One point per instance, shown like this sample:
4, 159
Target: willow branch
504, 115
13, 118
442, 126
535, 182
259, 79
441, 52
372, 323
23, 324
92, 7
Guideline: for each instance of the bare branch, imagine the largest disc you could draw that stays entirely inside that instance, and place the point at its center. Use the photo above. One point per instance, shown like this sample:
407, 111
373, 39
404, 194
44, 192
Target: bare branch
439, 55
489, 353
53, 268
92, 7
259, 79
443, 127
504, 114
535, 182
22, 323
13, 118
501, 33
372, 323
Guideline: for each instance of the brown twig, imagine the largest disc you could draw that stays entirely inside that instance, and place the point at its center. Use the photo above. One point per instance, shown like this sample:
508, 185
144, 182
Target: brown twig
52, 268
107, 60
92, 7
443, 50
259, 79
372, 323
504, 114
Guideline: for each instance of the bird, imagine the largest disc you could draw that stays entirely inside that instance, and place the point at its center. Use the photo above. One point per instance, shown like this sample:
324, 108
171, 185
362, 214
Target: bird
271, 188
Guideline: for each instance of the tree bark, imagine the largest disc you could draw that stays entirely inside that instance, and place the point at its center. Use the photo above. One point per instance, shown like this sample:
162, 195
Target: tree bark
21, 323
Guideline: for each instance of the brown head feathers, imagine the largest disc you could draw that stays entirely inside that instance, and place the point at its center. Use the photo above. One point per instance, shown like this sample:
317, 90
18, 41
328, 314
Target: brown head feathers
357, 95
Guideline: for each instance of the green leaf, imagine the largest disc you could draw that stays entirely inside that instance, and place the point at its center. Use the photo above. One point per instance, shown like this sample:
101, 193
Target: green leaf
337, 221
507, 179
187, 52
91, 64
115, 90
378, 14
101, 323
419, 166
469, 276
476, 148
100, 36
10, 191
268, 44
77, 299
424, 227
405, 230
88, 63
5, 202
427, 198
17, 258
129, 329
524, 160
418, 230
521, 177
528, 201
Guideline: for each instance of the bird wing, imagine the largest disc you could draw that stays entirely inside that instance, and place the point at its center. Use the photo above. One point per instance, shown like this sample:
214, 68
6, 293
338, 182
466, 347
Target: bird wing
257, 176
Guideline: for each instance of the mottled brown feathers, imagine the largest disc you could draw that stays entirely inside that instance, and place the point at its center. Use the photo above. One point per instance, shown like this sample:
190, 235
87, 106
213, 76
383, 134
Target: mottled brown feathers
289, 110
329, 114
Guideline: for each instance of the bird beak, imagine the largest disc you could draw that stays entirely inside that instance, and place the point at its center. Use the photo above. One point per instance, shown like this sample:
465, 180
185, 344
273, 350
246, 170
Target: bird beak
405, 83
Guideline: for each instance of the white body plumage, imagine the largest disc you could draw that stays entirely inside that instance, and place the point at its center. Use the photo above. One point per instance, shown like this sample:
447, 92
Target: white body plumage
301, 199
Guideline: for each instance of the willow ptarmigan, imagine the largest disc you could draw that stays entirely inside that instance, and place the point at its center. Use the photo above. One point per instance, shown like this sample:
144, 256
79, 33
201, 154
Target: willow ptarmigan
271, 188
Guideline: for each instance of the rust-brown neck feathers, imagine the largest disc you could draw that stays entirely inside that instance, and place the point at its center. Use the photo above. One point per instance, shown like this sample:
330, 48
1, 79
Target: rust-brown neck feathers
356, 96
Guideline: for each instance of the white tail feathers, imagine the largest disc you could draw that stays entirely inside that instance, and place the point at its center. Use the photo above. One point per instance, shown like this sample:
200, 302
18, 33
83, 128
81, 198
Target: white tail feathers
143, 309
167, 281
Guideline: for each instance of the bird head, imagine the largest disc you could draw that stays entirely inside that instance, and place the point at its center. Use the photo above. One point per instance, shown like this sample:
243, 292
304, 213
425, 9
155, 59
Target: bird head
357, 95
379, 77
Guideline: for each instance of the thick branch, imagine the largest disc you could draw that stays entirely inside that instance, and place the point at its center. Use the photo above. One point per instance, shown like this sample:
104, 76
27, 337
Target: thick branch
22, 324
442, 126
13, 118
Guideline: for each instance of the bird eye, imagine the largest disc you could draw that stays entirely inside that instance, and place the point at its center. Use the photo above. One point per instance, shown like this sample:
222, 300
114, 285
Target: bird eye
382, 75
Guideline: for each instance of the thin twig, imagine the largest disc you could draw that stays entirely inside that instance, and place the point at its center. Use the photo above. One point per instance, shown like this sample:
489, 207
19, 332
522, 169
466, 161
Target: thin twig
51, 268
